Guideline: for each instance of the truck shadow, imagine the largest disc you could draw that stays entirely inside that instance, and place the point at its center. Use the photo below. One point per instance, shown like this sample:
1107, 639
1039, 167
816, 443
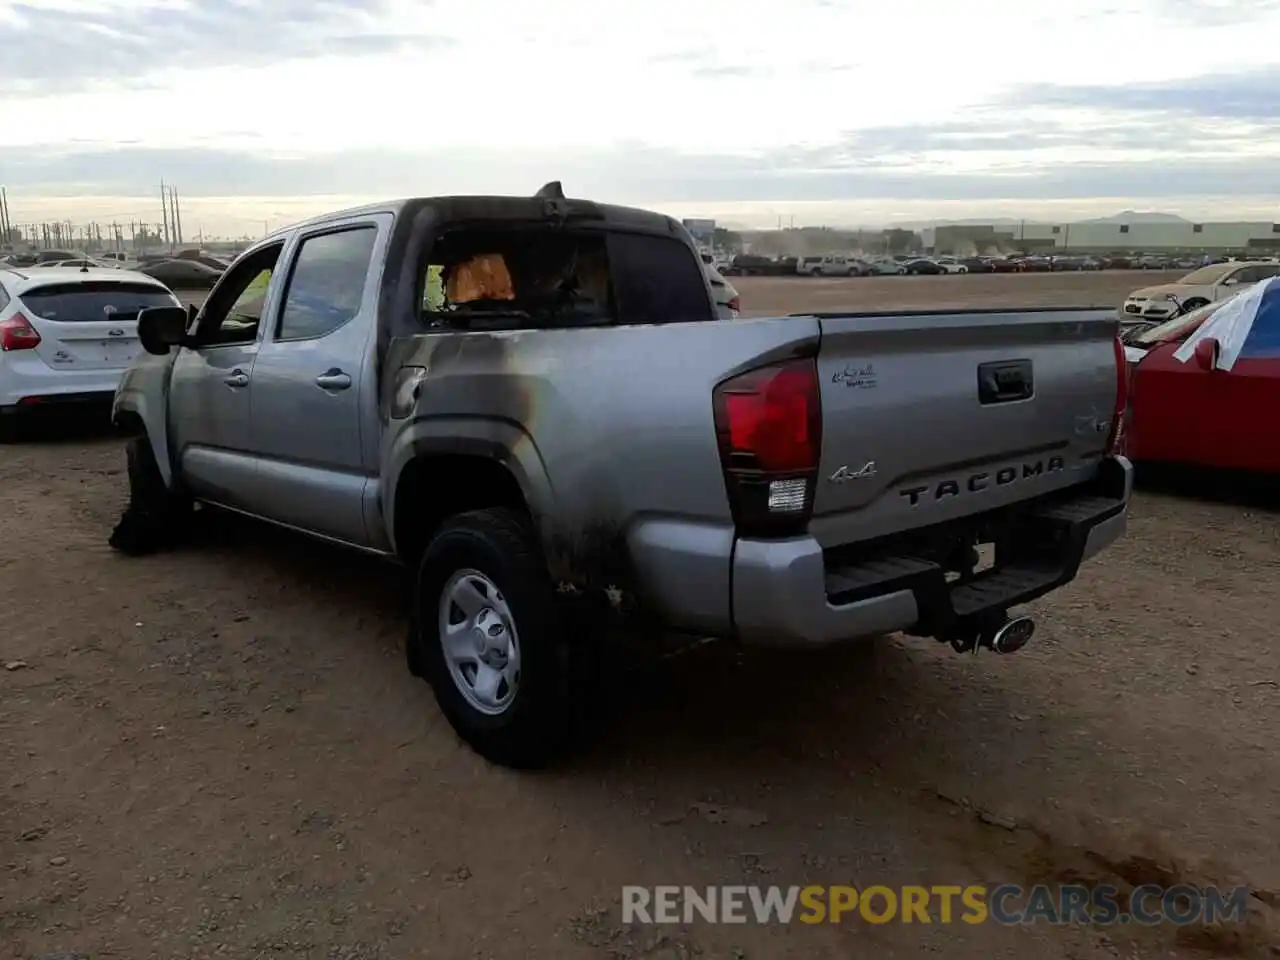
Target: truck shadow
714, 705
827, 728
1231, 487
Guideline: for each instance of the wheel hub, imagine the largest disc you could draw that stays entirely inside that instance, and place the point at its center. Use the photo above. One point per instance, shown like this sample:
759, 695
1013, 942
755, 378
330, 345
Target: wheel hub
480, 645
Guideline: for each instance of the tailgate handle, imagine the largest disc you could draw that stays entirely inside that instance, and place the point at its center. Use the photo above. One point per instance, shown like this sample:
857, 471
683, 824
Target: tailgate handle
1004, 381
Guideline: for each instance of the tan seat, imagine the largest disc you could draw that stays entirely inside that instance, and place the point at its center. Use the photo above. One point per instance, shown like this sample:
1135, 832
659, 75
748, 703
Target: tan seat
483, 277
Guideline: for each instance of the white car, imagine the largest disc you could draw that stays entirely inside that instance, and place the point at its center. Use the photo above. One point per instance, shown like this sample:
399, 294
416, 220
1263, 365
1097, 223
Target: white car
830, 266
80, 263
951, 265
1206, 285
728, 306
66, 336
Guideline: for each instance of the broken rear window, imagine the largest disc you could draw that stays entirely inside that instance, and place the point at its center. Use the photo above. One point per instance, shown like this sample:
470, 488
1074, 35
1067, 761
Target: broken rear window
548, 277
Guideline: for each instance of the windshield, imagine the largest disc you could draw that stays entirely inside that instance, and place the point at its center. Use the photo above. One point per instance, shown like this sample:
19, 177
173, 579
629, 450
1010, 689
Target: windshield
1207, 275
85, 302
1175, 328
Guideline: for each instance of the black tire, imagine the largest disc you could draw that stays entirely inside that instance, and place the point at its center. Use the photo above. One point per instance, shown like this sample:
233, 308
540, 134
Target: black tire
1195, 303
156, 516
11, 429
499, 544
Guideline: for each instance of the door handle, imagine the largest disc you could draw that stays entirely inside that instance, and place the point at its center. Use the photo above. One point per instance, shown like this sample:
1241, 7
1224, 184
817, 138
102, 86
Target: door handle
237, 378
333, 379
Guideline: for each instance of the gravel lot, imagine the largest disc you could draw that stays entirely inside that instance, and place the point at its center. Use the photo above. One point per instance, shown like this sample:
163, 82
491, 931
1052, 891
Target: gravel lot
218, 752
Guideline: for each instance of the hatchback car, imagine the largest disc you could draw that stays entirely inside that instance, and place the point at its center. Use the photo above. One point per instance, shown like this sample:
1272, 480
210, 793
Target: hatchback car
66, 337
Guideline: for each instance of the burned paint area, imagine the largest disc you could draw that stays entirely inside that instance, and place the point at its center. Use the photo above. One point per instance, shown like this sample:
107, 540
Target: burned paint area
466, 374
592, 559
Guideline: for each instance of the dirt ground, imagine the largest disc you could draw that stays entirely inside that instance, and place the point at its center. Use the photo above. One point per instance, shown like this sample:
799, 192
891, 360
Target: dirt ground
218, 752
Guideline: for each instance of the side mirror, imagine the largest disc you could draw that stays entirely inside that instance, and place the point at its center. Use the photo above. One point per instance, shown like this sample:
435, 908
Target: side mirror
1206, 354
160, 328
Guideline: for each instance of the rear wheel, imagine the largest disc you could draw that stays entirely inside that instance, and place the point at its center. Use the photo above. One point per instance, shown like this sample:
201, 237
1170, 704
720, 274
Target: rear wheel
489, 638
156, 516
10, 427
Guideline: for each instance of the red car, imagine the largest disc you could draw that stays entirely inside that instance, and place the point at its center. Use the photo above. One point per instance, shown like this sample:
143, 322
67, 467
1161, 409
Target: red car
1221, 407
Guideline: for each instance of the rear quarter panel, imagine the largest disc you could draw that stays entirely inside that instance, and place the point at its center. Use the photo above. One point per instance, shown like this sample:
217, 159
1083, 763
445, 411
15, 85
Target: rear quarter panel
610, 434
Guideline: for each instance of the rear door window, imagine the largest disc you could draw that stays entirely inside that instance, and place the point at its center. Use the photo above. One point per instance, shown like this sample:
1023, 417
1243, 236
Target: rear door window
87, 302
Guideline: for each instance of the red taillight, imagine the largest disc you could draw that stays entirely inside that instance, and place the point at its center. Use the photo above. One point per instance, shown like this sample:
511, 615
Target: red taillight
1115, 443
769, 427
18, 334
735, 304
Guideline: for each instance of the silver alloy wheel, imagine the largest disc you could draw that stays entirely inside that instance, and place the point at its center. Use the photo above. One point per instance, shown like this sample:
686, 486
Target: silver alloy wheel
478, 636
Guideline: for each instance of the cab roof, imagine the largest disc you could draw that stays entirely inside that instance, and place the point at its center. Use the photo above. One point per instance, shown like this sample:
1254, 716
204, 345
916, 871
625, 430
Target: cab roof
473, 208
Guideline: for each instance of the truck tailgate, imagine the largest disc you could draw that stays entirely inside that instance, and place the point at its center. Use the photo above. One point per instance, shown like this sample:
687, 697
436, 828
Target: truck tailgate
930, 417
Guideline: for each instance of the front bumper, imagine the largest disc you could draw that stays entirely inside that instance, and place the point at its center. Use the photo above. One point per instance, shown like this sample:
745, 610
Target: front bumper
793, 593
1148, 309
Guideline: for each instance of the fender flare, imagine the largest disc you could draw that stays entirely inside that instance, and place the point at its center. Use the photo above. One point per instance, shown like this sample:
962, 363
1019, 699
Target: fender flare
501, 441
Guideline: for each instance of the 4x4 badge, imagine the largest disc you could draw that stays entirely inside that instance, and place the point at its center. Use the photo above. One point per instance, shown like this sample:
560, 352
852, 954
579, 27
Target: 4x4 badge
844, 474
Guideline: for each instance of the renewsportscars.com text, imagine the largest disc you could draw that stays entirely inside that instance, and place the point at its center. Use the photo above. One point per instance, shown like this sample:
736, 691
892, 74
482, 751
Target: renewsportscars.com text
1007, 904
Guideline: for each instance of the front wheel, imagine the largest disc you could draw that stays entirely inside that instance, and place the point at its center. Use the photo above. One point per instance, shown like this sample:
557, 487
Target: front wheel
489, 638
156, 516
1195, 303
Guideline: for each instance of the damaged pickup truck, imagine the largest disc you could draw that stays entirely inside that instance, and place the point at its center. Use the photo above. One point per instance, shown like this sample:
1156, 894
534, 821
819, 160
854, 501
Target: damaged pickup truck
531, 403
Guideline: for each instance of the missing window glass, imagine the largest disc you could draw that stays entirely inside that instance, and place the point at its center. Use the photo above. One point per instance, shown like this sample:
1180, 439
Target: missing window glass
499, 279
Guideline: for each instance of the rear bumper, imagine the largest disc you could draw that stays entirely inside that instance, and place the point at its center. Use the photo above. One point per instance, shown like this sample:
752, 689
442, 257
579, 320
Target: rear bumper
792, 593
58, 401
27, 381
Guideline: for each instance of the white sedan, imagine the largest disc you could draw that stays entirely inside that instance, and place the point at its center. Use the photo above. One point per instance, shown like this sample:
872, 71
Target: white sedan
67, 336
728, 306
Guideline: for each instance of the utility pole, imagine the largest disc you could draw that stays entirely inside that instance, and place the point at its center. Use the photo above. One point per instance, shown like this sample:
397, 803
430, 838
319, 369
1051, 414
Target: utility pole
164, 209
5, 225
177, 214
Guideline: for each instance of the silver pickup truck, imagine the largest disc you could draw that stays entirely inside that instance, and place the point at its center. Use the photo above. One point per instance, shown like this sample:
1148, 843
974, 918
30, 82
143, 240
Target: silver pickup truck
531, 403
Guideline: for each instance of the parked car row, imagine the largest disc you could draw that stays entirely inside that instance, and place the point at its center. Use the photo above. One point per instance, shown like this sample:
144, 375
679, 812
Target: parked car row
845, 265
189, 269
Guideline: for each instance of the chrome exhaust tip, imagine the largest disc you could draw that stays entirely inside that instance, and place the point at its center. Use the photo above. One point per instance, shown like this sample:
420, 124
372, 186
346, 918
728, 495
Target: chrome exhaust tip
1012, 635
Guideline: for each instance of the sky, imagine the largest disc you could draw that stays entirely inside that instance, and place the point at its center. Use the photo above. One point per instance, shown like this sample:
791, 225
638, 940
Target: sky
842, 112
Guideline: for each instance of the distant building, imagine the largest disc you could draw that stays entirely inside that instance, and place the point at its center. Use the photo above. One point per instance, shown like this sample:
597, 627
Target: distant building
1103, 237
703, 231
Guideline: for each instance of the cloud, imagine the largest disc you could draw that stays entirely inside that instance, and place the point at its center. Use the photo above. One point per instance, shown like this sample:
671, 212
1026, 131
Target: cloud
665, 103
631, 174
1214, 13
1248, 95
50, 48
